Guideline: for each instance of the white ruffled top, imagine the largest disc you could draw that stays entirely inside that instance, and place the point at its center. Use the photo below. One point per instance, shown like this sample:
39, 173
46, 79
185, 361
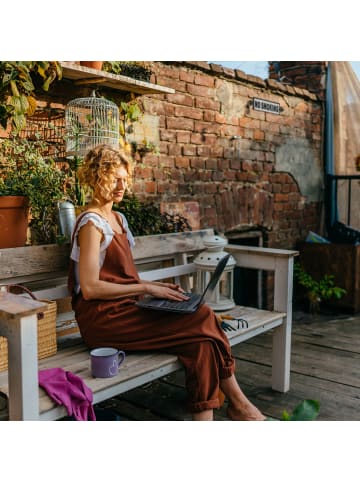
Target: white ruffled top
104, 226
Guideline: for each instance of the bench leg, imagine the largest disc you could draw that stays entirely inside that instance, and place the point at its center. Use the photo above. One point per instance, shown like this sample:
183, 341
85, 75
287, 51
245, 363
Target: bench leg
23, 368
281, 350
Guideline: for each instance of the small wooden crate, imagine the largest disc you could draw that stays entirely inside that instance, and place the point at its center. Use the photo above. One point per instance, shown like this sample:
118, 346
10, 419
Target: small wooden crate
340, 260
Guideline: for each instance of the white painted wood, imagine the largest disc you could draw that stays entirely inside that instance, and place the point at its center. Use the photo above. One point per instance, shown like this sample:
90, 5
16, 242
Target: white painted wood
257, 258
172, 271
83, 74
281, 351
23, 389
23, 368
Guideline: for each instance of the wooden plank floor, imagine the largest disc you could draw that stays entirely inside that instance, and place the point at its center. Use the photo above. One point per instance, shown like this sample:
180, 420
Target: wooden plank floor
325, 366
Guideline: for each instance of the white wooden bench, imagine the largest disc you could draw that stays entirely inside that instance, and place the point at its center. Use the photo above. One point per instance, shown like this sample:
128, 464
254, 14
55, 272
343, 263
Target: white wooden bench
44, 268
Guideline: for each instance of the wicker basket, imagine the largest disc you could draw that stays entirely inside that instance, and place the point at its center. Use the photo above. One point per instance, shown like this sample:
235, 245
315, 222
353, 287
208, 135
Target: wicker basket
46, 329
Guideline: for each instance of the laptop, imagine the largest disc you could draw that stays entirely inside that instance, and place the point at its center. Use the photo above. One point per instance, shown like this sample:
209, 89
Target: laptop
195, 299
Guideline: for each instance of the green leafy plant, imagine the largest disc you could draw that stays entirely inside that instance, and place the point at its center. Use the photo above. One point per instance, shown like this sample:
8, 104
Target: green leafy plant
146, 218
317, 291
26, 170
306, 411
18, 81
130, 69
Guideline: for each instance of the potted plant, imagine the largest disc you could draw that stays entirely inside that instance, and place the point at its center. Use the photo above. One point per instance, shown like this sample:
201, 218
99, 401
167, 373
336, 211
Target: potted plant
93, 64
26, 172
18, 82
317, 291
129, 69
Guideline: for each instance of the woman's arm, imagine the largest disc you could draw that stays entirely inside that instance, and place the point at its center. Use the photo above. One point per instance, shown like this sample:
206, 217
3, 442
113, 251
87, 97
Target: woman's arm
92, 287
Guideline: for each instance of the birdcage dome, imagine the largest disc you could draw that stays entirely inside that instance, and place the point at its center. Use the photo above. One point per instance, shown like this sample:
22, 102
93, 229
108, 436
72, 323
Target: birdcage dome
90, 121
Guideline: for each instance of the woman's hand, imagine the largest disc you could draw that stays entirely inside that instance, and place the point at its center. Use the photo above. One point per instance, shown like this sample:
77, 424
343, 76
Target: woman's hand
169, 291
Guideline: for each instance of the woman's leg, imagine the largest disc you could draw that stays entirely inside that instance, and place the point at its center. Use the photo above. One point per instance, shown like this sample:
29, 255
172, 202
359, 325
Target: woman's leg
240, 407
204, 416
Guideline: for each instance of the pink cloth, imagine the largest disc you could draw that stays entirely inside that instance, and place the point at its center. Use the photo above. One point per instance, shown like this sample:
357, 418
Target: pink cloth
67, 389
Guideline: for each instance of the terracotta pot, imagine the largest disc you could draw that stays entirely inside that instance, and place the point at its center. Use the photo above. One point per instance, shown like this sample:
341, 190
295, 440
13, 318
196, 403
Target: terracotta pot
14, 220
93, 64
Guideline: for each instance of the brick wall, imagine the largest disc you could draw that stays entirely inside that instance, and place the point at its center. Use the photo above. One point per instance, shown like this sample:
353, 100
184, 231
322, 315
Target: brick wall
247, 169
309, 75
260, 181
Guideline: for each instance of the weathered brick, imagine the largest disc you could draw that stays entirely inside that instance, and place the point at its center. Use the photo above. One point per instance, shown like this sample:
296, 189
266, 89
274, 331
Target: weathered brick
209, 116
198, 90
174, 149
206, 80
166, 135
182, 99
207, 103
203, 151
192, 113
182, 137
150, 186
182, 162
178, 123
187, 76
189, 150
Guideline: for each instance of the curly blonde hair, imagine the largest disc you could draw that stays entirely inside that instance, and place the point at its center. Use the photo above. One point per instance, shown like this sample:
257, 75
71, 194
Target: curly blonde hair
97, 171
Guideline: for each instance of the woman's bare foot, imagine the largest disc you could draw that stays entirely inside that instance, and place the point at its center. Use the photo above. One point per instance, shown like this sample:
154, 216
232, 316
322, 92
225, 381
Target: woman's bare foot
246, 413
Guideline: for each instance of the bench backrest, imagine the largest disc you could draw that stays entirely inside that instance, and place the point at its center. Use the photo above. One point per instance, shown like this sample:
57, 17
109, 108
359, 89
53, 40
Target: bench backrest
43, 269
31, 264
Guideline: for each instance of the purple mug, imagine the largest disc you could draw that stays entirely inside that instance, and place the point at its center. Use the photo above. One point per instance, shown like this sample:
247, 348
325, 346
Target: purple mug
105, 362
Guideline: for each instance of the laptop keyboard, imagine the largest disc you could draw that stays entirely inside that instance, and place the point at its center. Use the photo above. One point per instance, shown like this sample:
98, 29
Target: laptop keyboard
180, 304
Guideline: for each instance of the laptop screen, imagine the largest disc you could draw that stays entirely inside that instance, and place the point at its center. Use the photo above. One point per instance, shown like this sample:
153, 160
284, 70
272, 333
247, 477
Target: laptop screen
215, 277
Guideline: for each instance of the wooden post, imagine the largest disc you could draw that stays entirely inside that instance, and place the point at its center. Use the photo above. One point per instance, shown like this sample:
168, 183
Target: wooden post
18, 323
281, 351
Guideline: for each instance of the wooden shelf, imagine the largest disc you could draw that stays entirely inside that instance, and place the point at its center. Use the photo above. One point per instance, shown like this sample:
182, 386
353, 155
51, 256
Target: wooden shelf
86, 76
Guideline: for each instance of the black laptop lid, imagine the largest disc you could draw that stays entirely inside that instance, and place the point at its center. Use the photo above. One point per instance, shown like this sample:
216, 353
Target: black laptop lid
215, 277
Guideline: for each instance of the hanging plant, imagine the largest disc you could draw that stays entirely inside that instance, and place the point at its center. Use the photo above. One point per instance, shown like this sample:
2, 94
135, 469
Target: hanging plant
17, 86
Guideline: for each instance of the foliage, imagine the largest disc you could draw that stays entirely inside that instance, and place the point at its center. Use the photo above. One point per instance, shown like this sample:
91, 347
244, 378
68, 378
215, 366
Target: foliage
25, 171
77, 193
130, 113
317, 291
146, 218
18, 82
130, 69
306, 411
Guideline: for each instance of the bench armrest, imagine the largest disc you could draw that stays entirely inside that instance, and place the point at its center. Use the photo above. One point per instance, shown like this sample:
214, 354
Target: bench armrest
281, 262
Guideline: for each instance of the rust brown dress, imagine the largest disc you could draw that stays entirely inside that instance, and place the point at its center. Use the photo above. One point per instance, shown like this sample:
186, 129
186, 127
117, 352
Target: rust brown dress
197, 339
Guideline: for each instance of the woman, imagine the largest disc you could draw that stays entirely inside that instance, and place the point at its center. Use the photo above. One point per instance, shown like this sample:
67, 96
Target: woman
105, 286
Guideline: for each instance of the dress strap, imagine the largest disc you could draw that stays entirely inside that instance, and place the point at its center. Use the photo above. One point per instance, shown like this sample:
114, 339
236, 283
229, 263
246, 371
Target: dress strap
81, 215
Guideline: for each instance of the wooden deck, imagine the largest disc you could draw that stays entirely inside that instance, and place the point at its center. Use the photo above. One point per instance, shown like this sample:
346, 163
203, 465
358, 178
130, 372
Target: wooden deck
324, 366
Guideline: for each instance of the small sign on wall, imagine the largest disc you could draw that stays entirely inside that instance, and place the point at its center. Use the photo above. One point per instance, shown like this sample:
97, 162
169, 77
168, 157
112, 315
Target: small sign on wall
266, 106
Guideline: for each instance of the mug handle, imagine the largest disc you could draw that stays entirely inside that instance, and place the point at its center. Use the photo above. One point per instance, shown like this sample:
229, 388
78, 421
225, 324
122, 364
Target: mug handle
121, 356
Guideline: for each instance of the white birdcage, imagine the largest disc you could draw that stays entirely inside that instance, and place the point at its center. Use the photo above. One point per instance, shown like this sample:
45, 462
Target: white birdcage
90, 121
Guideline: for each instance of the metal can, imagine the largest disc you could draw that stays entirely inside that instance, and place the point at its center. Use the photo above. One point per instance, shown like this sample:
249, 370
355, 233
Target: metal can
67, 218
